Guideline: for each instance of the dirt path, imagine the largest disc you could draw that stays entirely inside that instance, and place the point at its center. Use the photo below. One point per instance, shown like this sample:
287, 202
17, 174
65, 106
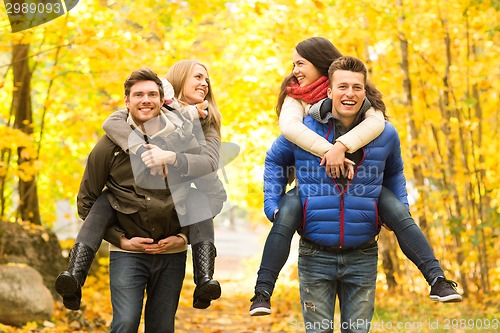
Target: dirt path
236, 266
227, 315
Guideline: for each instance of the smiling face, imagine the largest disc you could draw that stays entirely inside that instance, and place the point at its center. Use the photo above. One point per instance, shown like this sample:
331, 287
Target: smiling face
196, 86
304, 71
143, 101
347, 92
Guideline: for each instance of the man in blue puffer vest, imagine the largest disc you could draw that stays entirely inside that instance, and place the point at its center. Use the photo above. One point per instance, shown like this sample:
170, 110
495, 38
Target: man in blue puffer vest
338, 249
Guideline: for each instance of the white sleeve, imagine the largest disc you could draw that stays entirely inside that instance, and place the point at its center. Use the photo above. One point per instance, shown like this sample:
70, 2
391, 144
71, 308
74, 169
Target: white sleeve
293, 129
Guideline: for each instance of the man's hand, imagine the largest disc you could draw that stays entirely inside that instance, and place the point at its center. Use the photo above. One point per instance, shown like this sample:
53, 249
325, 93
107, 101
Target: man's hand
167, 244
147, 245
335, 162
137, 244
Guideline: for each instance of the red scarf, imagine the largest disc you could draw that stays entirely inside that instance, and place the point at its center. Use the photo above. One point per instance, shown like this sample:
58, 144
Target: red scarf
310, 94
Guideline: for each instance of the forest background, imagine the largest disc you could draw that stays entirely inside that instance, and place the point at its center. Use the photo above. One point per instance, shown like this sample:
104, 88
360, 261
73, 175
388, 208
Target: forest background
436, 63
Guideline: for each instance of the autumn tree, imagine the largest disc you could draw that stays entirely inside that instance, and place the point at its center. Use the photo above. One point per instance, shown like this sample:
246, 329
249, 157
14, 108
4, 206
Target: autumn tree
434, 61
28, 209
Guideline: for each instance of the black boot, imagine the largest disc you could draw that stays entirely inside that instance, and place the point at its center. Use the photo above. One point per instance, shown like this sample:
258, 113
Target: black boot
69, 283
207, 289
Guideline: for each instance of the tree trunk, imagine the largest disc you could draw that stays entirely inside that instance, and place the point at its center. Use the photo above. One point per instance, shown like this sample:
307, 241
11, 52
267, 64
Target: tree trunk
28, 209
484, 199
418, 176
387, 249
451, 145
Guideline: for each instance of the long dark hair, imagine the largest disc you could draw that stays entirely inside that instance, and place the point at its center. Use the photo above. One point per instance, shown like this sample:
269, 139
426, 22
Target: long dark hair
320, 52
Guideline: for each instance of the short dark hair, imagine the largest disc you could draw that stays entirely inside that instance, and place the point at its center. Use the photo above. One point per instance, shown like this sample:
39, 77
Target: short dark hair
142, 74
347, 63
353, 64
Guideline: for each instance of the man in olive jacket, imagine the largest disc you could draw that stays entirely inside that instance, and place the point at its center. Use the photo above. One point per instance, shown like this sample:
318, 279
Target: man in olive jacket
146, 214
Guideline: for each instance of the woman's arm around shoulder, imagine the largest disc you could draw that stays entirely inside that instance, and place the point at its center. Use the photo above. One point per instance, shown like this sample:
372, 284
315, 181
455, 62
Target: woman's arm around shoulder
365, 132
294, 130
197, 165
118, 130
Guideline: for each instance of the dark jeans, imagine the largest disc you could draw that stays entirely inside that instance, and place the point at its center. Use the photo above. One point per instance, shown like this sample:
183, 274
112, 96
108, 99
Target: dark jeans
277, 247
161, 276
393, 213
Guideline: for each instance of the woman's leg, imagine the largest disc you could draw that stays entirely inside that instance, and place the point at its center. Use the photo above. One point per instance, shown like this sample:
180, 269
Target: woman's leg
395, 216
69, 283
276, 251
201, 237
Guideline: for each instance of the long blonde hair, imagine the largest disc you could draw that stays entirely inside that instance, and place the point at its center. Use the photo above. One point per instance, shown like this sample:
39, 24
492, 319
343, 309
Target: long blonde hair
177, 76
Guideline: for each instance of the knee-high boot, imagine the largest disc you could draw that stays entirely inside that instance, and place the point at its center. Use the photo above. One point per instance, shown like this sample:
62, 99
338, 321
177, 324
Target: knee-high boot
207, 289
69, 283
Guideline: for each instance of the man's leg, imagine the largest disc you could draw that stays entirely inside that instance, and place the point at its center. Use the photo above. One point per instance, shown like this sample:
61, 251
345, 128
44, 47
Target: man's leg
163, 292
356, 290
128, 275
317, 272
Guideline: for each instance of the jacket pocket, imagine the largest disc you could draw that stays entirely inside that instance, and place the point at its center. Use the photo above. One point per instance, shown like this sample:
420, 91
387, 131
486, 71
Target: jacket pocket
123, 206
306, 249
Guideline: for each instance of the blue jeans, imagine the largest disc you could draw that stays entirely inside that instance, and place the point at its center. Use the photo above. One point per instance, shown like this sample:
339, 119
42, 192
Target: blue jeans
350, 275
161, 276
395, 215
277, 247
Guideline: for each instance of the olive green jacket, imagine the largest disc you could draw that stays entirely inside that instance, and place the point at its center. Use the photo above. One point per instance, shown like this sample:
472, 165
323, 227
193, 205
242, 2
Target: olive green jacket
141, 212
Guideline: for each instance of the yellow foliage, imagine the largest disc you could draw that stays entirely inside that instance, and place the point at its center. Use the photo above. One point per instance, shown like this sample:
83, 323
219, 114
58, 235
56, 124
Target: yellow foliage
80, 62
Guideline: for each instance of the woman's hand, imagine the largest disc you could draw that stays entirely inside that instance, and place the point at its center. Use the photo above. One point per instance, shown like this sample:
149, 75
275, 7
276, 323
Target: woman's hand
202, 109
335, 162
156, 157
